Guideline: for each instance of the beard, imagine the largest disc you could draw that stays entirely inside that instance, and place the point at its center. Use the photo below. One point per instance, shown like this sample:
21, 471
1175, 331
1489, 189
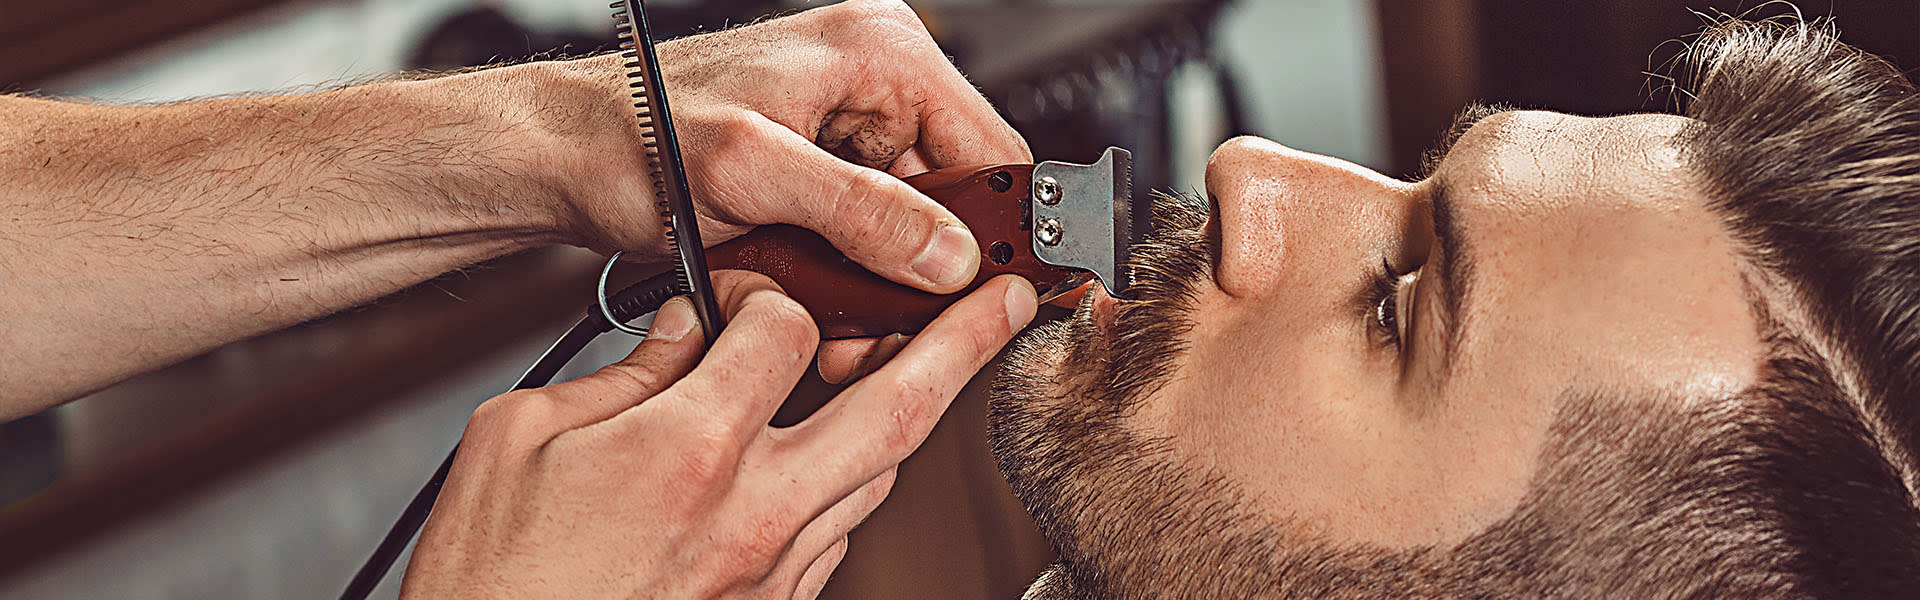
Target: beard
1126, 515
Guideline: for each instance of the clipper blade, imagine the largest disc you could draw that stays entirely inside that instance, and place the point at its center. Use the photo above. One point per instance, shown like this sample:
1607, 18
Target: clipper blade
1085, 217
1137, 225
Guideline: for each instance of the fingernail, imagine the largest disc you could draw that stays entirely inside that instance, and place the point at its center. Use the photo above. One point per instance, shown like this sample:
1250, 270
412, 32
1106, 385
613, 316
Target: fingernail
1021, 304
949, 260
674, 321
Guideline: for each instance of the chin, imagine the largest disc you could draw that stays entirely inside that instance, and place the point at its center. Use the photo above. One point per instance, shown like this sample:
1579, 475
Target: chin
1111, 502
1119, 508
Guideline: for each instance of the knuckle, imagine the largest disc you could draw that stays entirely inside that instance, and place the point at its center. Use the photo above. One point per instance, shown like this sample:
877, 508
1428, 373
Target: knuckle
985, 338
786, 324
703, 466
909, 418
891, 12
857, 204
734, 135
877, 23
867, 208
630, 380
757, 545
876, 492
495, 410
829, 560
834, 554
884, 483
510, 419
734, 287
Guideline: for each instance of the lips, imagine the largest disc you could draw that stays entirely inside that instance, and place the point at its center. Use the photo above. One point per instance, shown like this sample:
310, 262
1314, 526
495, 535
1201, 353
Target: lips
1176, 255
1100, 308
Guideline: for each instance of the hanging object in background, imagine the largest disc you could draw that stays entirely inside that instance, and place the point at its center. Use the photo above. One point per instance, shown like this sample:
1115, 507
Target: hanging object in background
1100, 77
1119, 60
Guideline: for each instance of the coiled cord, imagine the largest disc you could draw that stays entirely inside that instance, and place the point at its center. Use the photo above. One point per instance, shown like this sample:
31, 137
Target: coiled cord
635, 301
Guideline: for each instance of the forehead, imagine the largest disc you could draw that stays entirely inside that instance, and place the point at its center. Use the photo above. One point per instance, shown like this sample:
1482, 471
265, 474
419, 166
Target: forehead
1597, 258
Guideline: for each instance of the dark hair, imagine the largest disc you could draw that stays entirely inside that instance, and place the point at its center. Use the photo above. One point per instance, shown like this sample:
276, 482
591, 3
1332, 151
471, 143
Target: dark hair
1802, 485
1811, 151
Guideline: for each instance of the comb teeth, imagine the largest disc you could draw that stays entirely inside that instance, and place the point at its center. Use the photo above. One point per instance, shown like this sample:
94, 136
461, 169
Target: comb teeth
1124, 186
1139, 220
678, 216
637, 86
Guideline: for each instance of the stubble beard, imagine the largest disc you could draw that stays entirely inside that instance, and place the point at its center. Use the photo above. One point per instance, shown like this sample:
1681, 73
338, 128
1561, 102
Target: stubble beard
1127, 516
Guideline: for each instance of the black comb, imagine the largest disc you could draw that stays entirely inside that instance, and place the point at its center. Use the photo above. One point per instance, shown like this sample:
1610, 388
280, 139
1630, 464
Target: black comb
662, 150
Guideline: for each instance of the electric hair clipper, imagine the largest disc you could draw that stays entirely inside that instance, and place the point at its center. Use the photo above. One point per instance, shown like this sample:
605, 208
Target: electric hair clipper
1057, 224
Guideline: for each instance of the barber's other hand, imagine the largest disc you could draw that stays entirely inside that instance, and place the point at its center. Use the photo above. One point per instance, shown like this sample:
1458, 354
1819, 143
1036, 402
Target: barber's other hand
658, 476
806, 120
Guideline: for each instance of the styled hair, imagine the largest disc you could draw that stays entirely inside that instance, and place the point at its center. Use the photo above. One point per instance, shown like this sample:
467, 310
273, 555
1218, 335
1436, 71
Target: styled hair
1811, 152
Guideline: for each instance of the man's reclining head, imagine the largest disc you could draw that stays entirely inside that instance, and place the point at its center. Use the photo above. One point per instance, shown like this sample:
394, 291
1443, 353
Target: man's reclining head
1647, 355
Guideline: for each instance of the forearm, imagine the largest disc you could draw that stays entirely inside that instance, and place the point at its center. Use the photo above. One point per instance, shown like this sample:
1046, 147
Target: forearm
136, 237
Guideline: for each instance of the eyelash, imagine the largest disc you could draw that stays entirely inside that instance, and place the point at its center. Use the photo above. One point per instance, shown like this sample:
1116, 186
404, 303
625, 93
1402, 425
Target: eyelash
1384, 299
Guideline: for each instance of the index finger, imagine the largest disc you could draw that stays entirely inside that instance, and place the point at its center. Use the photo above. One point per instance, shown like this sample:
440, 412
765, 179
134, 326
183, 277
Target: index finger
877, 422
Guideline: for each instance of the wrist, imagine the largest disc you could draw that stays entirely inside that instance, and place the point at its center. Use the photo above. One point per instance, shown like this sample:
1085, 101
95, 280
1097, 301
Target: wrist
572, 128
525, 170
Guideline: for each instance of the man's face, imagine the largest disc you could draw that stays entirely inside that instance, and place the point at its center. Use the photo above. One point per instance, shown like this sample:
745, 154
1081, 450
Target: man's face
1337, 405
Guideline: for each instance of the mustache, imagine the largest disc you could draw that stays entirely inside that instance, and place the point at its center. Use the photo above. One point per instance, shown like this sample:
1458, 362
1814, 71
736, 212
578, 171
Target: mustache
1061, 407
1150, 330
1177, 249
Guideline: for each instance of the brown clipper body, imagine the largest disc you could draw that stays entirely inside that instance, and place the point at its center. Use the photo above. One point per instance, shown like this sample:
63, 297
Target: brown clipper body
848, 301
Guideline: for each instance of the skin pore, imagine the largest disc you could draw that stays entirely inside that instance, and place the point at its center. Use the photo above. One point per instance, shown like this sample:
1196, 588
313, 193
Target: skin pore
1580, 256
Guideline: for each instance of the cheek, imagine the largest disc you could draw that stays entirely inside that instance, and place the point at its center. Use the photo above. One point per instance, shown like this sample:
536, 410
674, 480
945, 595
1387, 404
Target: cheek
1251, 375
1276, 403
1310, 420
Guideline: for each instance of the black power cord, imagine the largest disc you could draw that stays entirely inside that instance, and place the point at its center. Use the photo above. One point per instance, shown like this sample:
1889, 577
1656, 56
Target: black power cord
631, 303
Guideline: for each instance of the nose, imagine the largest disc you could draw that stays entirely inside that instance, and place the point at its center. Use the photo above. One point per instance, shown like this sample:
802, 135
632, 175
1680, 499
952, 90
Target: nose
1286, 215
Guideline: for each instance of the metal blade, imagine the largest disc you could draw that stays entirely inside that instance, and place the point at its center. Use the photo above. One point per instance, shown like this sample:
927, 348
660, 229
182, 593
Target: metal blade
1085, 217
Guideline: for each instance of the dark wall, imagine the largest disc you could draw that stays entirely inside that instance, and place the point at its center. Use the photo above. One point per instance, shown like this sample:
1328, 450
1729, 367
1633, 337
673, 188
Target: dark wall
1584, 57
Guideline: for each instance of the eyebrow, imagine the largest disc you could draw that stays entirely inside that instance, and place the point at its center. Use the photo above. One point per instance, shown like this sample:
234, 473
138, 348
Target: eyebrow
1455, 265
1455, 260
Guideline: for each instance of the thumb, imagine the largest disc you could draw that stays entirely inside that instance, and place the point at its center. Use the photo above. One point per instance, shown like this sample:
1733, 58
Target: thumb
874, 218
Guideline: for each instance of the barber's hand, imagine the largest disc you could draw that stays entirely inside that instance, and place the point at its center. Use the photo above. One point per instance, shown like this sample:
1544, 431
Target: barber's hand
805, 120
658, 476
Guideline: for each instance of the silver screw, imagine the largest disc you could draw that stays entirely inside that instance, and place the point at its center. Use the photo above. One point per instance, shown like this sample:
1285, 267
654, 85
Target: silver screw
1048, 232
1047, 190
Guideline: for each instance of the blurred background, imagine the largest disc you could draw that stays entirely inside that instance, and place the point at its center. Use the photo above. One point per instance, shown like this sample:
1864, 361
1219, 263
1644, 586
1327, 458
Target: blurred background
270, 468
